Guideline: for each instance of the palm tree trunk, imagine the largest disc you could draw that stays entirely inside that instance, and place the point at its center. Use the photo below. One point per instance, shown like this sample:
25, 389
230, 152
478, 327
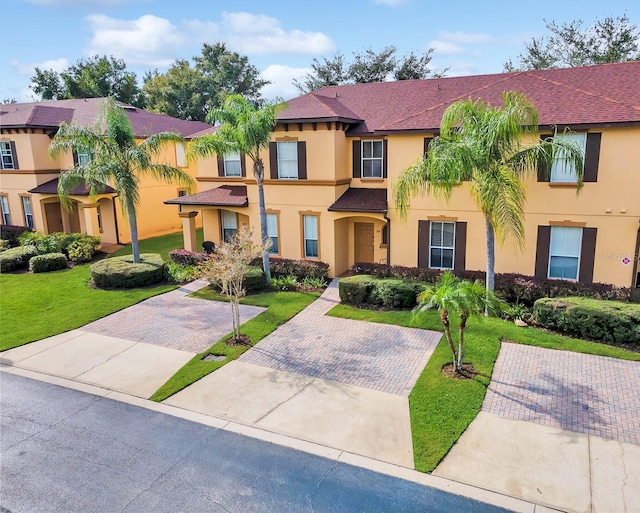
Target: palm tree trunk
444, 317
133, 226
463, 325
264, 236
491, 259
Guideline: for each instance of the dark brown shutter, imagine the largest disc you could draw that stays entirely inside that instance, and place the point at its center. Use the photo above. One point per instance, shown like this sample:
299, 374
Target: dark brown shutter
14, 154
423, 244
302, 160
587, 255
544, 171
592, 158
273, 160
385, 147
357, 159
427, 142
220, 165
460, 247
542, 251
243, 164
75, 158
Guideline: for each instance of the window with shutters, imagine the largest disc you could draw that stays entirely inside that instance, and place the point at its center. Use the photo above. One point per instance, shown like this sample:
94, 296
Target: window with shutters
564, 252
229, 224
372, 159
272, 233
6, 216
442, 244
310, 231
28, 213
181, 155
288, 160
7, 155
561, 169
232, 166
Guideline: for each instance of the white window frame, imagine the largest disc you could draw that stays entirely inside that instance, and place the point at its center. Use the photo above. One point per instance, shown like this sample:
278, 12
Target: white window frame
229, 223
559, 168
27, 210
372, 159
272, 233
6, 213
441, 246
181, 155
83, 158
555, 253
309, 237
7, 159
293, 174
232, 157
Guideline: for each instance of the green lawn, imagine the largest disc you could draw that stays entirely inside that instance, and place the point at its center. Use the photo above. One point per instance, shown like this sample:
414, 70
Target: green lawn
441, 408
162, 244
282, 306
36, 306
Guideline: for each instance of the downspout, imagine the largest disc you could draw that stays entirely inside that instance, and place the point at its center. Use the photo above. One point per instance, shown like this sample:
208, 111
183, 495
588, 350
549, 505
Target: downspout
635, 280
115, 218
388, 239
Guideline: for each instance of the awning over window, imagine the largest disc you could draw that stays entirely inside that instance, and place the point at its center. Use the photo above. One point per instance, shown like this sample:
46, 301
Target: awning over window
361, 200
223, 196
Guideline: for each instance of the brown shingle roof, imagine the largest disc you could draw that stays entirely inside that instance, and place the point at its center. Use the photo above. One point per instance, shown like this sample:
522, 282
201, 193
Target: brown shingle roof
603, 94
50, 114
361, 200
223, 196
51, 187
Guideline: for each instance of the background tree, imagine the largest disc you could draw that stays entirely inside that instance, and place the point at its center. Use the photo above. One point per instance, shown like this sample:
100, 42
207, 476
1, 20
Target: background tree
245, 129
483, 145
191, 92
8, 100
367, 66
226, 268
115, 158
93, 77
572, 44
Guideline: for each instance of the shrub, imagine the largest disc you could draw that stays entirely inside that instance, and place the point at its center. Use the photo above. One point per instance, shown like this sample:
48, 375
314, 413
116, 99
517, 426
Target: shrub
16, 258
253, 279
48, 262
83, 249
12, 233
178, 273
4, 245
299, 268
186, 257
312, 283
395, 293
608, 321
43, 243
123, 273
284, 283
355, 290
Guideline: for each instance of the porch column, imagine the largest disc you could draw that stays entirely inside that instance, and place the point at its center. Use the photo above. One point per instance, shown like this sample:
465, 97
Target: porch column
189, 230
90, 213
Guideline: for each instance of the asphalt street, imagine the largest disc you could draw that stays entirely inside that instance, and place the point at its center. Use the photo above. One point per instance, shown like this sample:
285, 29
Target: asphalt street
67, 451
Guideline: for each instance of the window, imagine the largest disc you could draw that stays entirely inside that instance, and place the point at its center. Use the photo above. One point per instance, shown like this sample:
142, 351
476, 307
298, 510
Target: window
99, 215
4, 203
310, 226
7, 153
561, 170
441, 244
182, 192
28, 214
385, 235
232, 165
181, 155
288, 160
229, 224
564, 252
84, 159
272, 233
372, 159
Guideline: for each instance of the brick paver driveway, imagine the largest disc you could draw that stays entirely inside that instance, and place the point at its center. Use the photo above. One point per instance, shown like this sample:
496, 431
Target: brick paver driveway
376, 356
173, 320
589, 394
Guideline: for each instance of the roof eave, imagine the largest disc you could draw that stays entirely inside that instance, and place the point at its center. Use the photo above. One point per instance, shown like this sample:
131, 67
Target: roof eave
209, 204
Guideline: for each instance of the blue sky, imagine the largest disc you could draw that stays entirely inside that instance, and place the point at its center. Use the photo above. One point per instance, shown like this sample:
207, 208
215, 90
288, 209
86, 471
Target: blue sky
280, 37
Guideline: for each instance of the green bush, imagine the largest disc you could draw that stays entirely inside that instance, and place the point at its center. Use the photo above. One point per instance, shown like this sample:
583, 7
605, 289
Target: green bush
284, 283
298, 268
607, 321
16, 258
43, 243
253, 279
123, 273
12, 233
83, 249
4, 245
395, 293
79, 247
48, 262
355, 290
181, 273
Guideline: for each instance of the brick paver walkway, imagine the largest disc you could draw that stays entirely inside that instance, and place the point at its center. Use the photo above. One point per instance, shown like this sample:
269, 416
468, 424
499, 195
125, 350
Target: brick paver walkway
174, 320
578, 392
376, 356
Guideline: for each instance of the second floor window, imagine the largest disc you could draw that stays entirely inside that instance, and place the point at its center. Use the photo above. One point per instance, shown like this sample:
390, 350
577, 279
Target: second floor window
372, 155
8, 155
288, 160
561, 170
181, 155
232, 165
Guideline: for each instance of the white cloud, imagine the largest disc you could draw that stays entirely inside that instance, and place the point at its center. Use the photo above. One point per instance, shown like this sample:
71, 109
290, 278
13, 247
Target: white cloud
95, 4
281, 78
23, 68
258, 34
466, 37
446, 48
459, 43
146, 41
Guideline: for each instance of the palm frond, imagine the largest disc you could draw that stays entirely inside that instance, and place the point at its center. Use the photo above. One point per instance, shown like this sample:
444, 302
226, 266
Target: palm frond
154, 143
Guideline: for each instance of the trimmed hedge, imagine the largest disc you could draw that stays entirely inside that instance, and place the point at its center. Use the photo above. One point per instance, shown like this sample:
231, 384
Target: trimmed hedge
383, 292
16, 258
123, 273
186, 257
512, 287
607, 321
253, 280
11, 233
48, 262
299, 268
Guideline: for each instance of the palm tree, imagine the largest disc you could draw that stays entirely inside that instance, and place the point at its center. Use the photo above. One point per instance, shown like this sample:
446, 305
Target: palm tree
244, 129
115, 158
483, 144
466, 298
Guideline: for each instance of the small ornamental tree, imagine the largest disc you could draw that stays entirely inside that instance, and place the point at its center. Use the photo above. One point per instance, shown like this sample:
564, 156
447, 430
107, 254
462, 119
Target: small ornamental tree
227, 266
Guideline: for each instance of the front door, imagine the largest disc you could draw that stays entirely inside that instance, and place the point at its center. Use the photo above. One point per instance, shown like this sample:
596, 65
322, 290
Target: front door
54, 217
364, 242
